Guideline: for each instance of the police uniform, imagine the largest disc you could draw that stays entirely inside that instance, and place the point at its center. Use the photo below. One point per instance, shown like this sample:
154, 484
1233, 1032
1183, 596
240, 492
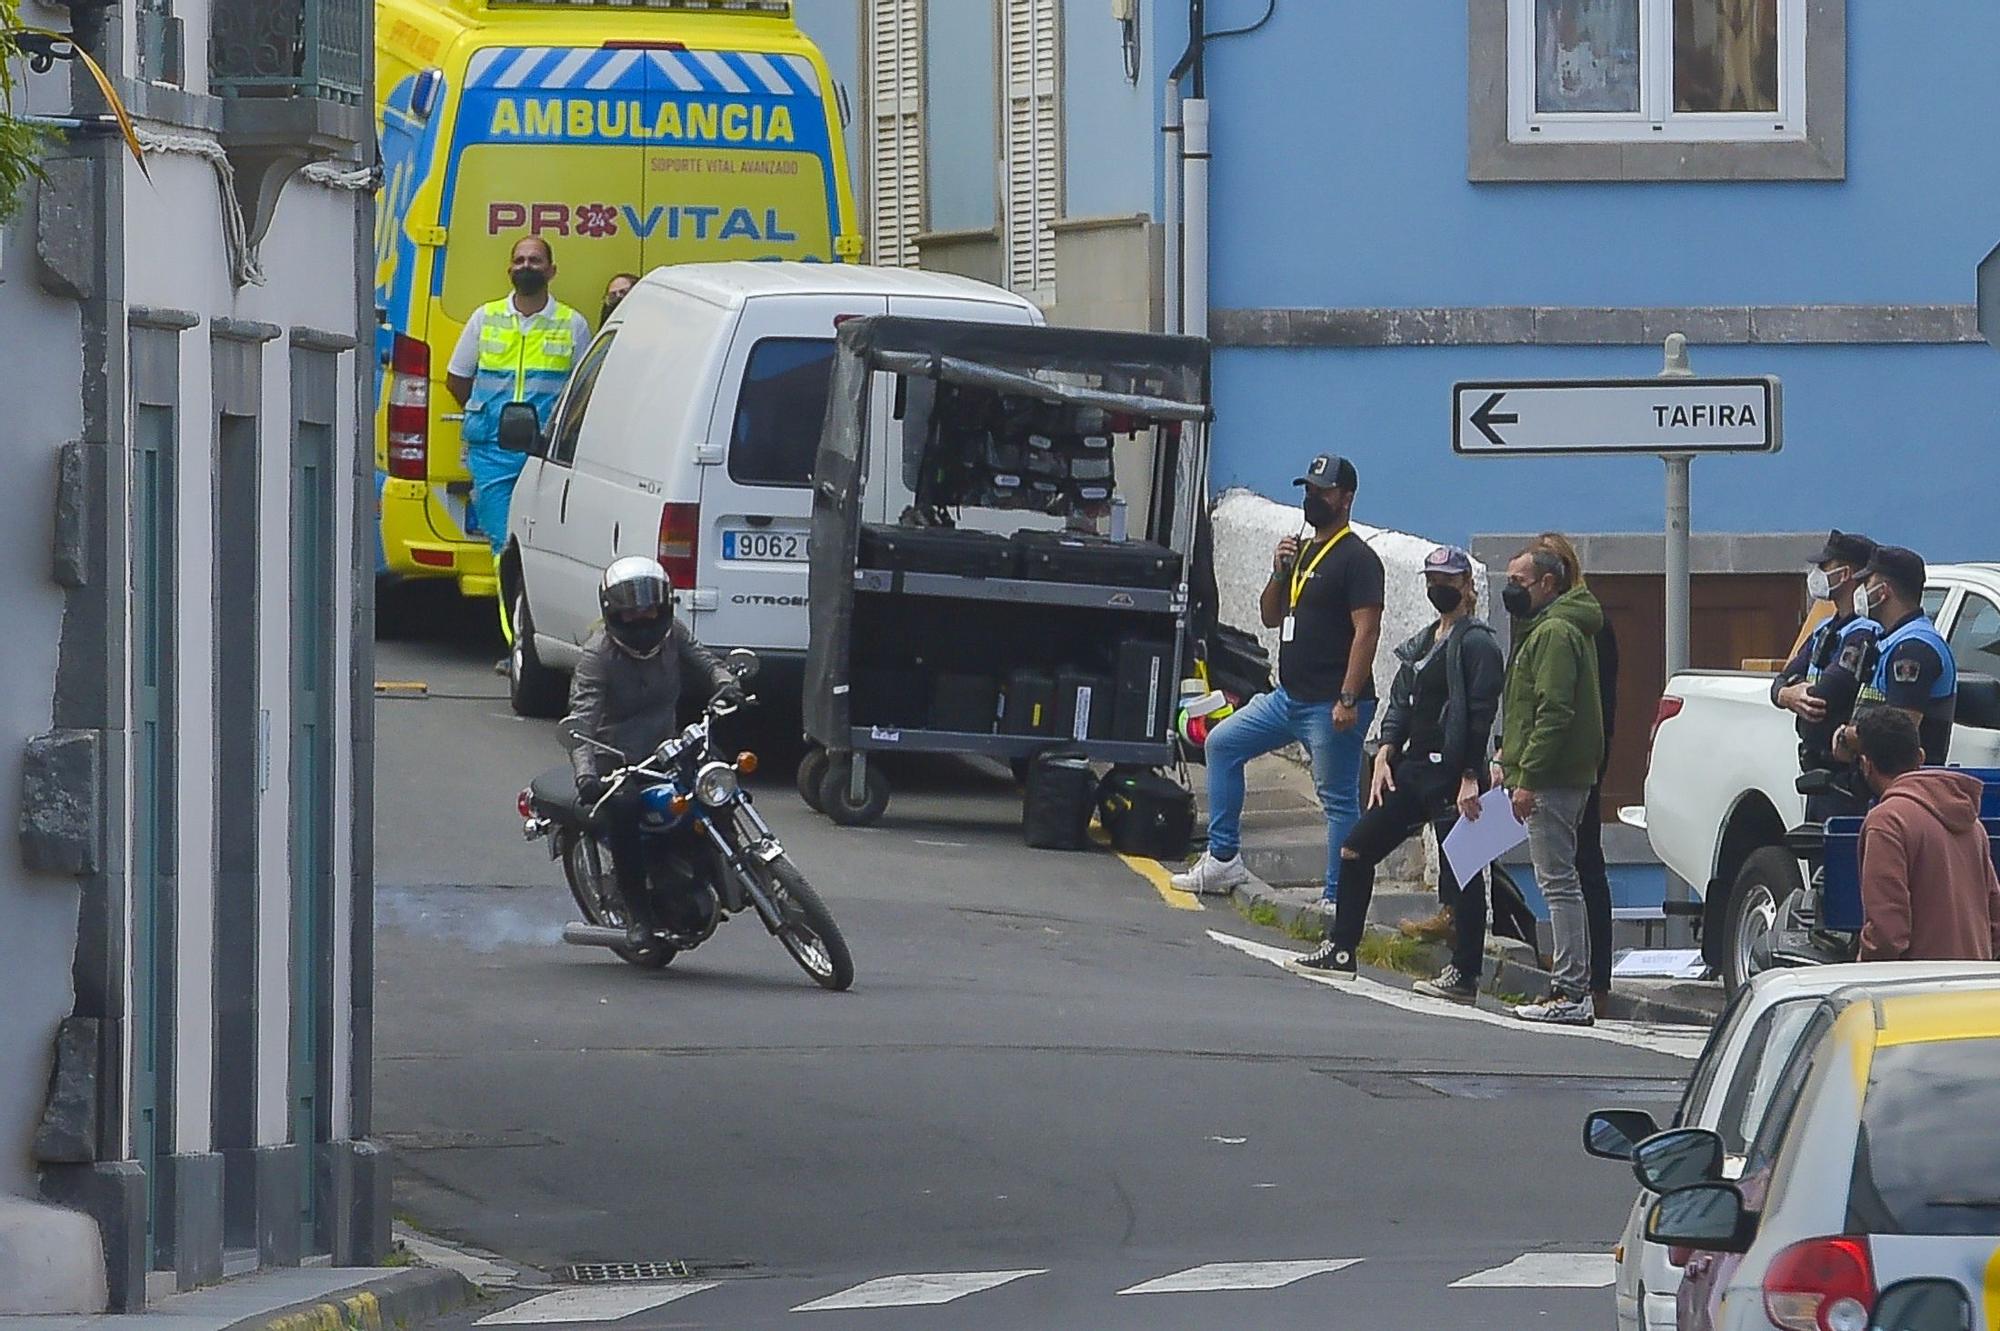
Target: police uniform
510, 357
1835, 660
1914, 668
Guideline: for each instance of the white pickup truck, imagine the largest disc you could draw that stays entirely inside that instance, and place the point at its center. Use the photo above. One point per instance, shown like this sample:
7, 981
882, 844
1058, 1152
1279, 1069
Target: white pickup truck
1721, 774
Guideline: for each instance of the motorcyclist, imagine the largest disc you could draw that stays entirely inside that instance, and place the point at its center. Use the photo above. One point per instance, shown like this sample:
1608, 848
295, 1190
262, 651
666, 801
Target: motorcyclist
626, 693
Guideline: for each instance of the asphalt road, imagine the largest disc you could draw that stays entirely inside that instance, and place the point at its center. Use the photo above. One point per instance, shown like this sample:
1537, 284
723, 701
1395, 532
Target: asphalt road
1047, 1088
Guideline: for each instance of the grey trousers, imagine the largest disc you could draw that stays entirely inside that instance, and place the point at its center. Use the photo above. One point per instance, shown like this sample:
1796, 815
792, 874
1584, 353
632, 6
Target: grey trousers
1552, 847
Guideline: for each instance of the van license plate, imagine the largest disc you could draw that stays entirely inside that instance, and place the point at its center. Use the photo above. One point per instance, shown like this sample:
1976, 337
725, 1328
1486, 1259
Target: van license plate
785, 547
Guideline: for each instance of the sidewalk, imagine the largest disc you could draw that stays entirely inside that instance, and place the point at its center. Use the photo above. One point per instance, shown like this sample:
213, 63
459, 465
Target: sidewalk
326, 1298
1284, 847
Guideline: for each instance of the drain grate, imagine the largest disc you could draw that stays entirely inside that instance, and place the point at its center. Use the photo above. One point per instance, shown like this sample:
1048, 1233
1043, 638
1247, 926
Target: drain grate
618, 1273
611, 1273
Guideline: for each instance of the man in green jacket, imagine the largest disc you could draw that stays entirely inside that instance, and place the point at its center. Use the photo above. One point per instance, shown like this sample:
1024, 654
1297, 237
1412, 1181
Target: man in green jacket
1552, 740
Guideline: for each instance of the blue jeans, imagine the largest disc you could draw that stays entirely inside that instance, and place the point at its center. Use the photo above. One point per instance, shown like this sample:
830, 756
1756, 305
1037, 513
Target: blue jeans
1265, 724
494, 472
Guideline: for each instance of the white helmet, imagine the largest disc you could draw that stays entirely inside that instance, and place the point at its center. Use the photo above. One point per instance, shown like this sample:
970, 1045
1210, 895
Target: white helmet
637, 599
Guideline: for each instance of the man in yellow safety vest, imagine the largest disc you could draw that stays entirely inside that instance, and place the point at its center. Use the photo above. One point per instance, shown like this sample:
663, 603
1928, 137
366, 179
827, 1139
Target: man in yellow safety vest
516, 349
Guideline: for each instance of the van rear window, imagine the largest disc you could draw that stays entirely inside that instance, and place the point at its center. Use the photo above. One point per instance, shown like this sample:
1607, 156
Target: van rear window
779, 409
1928, 1158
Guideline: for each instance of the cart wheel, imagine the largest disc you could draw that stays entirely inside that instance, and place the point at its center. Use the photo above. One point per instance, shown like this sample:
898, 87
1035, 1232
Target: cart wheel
812, 771
836, 800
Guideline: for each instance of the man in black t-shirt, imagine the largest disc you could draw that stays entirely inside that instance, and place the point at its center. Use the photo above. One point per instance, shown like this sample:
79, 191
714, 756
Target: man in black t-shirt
1325, 599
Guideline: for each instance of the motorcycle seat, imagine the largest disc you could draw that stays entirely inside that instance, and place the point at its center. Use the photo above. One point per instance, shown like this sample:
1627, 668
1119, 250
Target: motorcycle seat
555, 791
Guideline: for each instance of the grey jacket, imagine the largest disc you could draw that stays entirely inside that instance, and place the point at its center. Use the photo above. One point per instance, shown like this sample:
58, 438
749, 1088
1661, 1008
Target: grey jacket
629, 703
1475, 668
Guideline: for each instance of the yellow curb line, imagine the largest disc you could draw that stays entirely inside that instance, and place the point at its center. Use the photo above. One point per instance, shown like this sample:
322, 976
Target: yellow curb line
398, 688
359, 1312
1155, 873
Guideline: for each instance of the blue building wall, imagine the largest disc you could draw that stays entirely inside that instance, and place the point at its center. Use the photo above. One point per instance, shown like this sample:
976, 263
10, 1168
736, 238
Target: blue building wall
1111, 148
1340, 180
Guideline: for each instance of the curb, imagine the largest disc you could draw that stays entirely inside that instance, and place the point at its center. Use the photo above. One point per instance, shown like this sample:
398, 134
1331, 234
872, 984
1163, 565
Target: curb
1502, 974
396, 1299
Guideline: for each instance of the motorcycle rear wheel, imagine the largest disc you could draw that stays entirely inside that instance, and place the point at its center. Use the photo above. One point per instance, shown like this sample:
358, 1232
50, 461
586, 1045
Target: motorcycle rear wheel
597, 897
808, 931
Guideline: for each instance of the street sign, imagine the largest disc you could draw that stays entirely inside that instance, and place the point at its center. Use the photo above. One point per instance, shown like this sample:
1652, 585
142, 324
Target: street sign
1654, 416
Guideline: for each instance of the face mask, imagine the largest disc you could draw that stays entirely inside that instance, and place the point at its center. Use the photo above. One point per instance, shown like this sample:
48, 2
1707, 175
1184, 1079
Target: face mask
1445, 598
530, 281
1318, 511
1520, 602
1819, 584
1863, 604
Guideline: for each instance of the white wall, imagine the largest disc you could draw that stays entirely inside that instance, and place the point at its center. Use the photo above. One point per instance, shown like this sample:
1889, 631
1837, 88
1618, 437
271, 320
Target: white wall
175, 259
1249, 526
38, 912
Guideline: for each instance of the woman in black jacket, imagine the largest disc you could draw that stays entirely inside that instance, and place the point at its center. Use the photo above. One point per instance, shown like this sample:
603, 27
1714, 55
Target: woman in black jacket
1431, 764
1590, 868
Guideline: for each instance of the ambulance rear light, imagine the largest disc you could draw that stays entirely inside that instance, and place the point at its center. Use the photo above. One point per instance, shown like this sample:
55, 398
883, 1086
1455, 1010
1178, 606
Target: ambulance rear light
680, 535
409, 409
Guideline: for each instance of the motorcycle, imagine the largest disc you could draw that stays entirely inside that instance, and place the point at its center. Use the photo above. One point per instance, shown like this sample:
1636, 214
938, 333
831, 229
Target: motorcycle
709, 853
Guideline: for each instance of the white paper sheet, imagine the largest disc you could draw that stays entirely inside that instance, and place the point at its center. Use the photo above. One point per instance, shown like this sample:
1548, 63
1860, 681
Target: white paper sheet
1672, 964
1472, 844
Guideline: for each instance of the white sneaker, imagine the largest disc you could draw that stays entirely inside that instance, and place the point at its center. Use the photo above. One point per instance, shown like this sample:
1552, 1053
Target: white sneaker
1560, 1011
1212, 877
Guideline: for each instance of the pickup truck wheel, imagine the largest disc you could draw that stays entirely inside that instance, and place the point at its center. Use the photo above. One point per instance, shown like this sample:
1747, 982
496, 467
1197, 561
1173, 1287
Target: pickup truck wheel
1766, 893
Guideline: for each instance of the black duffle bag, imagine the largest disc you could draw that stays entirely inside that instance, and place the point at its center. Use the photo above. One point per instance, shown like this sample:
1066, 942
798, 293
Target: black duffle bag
1146, 813
1055, 812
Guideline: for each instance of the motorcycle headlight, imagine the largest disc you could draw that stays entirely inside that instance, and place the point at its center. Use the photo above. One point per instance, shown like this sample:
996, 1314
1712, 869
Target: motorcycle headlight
716, 784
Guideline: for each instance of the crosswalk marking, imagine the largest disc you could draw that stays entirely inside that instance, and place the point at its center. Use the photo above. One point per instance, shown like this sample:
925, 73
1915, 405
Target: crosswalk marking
914, 1290
597, 1303
1547, 1270
1239, 1275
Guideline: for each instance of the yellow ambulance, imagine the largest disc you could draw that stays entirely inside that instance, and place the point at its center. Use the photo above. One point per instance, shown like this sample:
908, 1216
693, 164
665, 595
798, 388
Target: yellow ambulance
627, 133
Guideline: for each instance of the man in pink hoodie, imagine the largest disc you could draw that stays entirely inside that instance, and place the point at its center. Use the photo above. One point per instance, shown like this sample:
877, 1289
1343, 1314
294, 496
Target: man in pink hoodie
1927, 880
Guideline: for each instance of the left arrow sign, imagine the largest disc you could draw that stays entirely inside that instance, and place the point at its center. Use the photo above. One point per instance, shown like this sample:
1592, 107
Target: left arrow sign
1486, 418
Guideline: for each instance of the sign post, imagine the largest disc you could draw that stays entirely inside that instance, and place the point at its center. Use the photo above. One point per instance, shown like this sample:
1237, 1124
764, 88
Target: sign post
1673, 416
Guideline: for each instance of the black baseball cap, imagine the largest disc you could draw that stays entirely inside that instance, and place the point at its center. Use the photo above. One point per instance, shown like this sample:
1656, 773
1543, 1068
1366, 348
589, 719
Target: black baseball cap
1330, 471
1904, 568
1850, 548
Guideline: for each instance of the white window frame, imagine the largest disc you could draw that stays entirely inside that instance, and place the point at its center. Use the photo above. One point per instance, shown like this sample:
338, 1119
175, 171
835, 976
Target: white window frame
1656, 121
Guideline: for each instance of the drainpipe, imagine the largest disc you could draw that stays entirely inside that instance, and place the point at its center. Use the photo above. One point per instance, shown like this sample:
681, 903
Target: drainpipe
1194, 244
1178, 201
1171, 207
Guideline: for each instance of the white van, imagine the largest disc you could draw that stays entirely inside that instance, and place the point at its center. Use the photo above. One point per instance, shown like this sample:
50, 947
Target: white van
689, 432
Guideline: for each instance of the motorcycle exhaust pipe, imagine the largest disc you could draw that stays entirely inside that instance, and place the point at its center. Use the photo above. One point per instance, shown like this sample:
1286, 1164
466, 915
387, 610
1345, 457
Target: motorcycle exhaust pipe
592, 935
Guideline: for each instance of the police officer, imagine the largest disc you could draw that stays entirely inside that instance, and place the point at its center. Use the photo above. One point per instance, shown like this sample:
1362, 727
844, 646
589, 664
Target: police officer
625, 694
1820, 683
1914, 669
516, 349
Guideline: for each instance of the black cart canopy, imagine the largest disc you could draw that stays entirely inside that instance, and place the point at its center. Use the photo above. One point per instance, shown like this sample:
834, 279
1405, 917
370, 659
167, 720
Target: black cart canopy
1159, 378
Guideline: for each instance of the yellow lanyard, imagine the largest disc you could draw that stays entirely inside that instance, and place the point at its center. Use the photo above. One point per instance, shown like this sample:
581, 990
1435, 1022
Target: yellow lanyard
1301, 576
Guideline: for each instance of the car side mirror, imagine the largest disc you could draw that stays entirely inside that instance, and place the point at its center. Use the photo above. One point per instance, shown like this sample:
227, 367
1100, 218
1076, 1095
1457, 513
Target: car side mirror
1929, 1304
1678, 1159
742, 663
1708, 1217
1614, 1134
520, 429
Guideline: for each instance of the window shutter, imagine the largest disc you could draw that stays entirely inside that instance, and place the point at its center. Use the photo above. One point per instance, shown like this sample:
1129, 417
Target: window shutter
896, 131
1034, 172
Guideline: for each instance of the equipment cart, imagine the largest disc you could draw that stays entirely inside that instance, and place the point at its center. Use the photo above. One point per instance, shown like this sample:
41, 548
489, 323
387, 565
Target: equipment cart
1032, 595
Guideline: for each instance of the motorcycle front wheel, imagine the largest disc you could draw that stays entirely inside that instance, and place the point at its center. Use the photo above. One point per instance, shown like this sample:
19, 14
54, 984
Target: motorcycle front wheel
597, 897
807, 931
